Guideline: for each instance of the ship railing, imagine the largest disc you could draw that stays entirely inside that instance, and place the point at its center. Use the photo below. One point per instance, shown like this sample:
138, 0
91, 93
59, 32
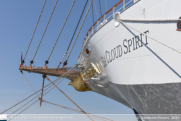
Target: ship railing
105, 18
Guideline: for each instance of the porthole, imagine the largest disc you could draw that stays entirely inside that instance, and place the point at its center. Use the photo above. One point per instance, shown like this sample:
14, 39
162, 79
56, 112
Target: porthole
88, 50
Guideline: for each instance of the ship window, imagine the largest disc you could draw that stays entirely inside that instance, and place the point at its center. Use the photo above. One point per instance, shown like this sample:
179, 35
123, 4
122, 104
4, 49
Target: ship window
179, 25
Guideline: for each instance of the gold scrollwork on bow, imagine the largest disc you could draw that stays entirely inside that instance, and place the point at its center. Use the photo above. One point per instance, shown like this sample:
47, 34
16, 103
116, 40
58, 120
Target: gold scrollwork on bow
90, 71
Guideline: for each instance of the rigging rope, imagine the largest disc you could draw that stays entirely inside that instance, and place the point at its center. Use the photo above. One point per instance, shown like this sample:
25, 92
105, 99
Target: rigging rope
30, 84
65, 55
153, 20
92, 14
39, 90
62, 92
34, 31
23, 105
106, 5
150, 36
26, 98
64, 107
46, 62
31, 62
53, 104
79, 31
66, 74
23, 110
95, 9
69, 98
98, 117
100, 7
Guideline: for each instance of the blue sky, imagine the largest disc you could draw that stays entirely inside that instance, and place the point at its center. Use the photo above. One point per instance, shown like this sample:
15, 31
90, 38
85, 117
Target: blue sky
17, 22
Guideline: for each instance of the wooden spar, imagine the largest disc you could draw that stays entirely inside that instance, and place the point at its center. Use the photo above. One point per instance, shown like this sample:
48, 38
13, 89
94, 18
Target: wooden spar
51, 71
44, 76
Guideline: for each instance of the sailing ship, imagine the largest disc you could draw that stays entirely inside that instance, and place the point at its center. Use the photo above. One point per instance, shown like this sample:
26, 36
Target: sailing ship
131, 56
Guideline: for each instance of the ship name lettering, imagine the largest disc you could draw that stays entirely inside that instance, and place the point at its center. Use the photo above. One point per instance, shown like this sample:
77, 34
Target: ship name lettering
134, 43
129, 45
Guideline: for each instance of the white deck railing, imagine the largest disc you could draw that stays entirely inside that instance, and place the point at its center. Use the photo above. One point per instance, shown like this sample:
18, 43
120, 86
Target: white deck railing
97, 25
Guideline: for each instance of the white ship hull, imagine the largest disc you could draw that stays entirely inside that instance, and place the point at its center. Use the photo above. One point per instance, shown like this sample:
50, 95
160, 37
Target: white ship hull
145, 76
